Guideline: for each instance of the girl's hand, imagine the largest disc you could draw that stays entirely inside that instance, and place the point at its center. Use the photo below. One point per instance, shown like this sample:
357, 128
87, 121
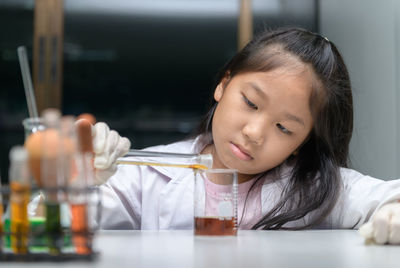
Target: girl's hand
108, 145
384, 227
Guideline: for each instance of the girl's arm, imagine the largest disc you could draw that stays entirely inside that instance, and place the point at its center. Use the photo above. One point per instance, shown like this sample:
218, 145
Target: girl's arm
384, 226
363, 199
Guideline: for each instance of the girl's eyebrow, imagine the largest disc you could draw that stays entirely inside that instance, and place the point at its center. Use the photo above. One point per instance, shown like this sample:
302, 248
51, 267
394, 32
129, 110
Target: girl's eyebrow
259, 91
294, 118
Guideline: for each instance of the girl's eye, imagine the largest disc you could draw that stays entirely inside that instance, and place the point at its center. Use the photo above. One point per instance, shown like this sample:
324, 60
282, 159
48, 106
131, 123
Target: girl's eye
249, 103
283, 129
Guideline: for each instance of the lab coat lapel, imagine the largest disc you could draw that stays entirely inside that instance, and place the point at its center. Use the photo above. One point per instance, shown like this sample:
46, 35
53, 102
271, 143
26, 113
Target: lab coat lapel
176, 209
176, 202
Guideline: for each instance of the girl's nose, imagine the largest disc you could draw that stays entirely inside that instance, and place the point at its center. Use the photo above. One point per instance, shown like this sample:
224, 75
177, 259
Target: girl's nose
254, 132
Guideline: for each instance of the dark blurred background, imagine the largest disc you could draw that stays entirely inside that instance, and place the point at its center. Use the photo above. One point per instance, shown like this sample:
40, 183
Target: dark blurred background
144, 67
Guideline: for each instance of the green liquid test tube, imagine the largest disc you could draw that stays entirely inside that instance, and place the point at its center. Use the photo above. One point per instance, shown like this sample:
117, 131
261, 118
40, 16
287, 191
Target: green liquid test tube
53, 228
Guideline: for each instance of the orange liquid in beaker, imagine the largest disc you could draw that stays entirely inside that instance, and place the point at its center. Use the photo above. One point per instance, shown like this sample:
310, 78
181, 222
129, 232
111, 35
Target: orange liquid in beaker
80, 230
214, 226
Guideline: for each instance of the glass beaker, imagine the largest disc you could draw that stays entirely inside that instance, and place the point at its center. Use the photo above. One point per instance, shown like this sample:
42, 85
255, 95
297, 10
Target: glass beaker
32, 124
215, 202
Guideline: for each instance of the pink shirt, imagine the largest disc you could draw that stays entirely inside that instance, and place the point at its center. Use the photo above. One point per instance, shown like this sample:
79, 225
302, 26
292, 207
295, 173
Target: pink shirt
249, 211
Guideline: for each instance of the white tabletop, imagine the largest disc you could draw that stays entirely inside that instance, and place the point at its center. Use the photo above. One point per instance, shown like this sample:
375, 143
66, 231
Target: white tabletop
321, 248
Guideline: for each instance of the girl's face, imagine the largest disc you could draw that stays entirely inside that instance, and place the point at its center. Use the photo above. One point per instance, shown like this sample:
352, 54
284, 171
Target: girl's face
261, 119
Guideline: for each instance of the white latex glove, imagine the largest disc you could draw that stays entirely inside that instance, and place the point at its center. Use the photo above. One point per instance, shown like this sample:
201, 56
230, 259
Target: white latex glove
108, 145
384, 227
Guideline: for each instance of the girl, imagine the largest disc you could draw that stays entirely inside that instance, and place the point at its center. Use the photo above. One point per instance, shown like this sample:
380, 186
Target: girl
282, 115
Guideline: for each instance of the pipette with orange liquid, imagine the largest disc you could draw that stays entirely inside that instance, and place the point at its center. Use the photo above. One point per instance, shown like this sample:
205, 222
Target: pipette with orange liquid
166, 159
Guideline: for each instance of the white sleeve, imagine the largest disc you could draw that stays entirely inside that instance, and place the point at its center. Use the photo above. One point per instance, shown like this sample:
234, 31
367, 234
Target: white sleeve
360, 198
121, 199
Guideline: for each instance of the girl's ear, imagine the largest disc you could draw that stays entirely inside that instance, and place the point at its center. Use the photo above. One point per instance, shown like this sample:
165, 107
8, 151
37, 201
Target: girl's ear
219, 91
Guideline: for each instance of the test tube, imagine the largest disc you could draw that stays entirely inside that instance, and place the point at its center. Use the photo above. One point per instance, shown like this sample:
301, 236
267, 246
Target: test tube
79, 185
19, 199
1, 216
50, 177
154, 158
66, 170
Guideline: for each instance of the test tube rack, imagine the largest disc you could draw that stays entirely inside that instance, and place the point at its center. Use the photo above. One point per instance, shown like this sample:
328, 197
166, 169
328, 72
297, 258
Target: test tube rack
40, 243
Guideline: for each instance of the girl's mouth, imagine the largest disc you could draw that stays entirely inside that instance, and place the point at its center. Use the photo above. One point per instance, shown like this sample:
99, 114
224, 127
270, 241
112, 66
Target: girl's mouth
239, 153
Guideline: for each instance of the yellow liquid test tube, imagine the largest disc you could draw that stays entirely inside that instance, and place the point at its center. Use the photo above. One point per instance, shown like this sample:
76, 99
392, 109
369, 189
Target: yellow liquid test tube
1, 218
19, 228
19, 199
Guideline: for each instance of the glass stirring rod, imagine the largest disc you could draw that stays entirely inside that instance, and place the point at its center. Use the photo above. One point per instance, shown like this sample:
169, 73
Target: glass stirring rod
197, 161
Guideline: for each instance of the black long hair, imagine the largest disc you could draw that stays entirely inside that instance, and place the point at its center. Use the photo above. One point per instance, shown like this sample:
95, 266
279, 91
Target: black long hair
315, 182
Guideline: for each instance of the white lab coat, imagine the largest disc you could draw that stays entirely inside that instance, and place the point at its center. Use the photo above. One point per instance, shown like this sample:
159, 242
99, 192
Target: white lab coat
149, 197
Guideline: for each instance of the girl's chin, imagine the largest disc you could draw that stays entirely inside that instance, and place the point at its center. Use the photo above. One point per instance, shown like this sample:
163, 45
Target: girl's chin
241, 168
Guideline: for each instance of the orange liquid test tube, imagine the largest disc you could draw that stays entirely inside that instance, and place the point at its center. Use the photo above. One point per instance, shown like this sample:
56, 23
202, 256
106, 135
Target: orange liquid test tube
79, 227
79, 196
